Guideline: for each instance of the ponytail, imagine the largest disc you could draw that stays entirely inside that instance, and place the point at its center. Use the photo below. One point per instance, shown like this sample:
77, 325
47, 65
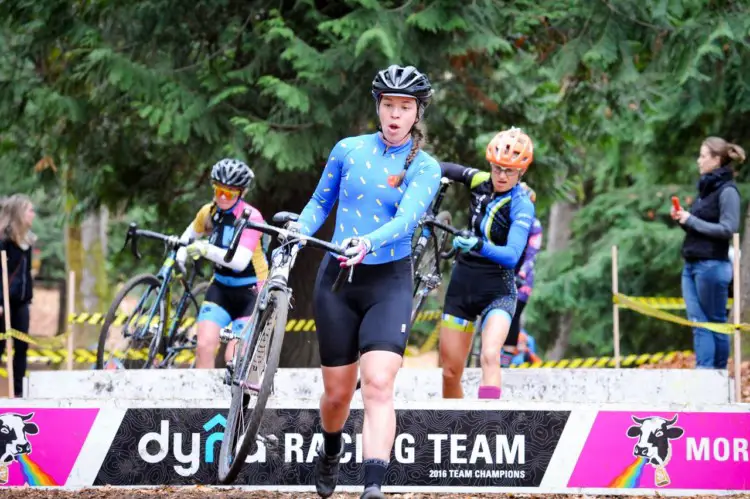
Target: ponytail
725, 151
736, 153
418, 137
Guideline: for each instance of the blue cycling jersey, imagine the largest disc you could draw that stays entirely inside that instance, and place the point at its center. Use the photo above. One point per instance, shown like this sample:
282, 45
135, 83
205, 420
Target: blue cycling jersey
501, 220
357, 174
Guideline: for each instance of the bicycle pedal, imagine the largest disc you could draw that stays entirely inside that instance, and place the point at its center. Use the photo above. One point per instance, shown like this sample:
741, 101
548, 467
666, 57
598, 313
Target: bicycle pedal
270, 441
226, 335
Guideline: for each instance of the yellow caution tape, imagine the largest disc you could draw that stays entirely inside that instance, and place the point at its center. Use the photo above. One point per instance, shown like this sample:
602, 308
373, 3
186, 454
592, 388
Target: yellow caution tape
666, 303
603, 362
641, 307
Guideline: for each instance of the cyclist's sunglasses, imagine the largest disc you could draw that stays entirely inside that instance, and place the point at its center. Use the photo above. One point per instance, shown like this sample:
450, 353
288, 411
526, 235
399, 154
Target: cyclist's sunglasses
509, 172
228, 193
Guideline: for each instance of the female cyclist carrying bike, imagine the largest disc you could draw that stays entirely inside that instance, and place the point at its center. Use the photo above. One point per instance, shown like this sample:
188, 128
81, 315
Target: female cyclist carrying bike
483, 278
384, 182
231, 296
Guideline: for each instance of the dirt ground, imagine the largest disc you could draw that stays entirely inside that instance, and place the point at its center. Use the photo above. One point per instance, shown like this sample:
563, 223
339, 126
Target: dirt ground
207, 492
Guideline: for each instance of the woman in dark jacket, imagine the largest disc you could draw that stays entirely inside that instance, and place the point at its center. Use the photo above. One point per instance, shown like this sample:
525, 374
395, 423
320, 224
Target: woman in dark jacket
16, 239
709, 226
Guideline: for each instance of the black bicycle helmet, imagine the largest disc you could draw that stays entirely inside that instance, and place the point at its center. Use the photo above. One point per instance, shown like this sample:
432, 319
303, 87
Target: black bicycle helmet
233, 173
406, 81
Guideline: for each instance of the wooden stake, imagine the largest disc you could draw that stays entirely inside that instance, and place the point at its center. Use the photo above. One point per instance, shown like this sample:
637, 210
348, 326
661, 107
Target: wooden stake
736, 308
71, 310
615, 309
6, 318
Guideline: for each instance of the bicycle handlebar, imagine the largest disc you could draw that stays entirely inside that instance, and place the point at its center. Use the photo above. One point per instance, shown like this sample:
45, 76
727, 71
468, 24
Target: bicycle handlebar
288, 235
451, 230
173, 242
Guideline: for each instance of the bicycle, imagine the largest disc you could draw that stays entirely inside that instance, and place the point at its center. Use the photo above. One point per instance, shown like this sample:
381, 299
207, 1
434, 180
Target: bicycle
259, 348
427, 252
158, 325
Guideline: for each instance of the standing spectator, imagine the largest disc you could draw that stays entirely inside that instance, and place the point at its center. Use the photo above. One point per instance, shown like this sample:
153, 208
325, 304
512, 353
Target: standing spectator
16, 239
713, 218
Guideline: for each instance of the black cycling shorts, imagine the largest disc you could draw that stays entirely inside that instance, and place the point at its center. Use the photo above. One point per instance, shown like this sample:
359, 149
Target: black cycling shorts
475, 291
373, 312
515, 325
228, 304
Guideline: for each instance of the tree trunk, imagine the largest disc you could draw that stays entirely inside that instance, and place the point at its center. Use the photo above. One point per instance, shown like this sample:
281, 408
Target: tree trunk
560, 232
300, 347
94, 288
744, 283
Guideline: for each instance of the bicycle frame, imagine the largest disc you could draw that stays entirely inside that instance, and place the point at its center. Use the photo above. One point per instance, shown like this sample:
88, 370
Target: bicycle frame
283, 259
425, 231
164, 275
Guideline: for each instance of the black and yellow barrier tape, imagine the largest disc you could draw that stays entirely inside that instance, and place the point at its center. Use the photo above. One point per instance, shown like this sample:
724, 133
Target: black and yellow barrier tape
640, 305
292, 325
632, 360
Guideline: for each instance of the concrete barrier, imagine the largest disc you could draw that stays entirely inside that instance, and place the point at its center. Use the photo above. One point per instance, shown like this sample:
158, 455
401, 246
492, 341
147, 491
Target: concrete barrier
593, 386
468, 446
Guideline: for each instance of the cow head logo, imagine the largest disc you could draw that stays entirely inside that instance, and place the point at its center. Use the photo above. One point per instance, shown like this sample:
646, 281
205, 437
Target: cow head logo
654, 434
13, 431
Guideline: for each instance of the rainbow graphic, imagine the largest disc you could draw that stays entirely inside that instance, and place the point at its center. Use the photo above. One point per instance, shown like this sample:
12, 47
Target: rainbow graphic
631, 477
33, 474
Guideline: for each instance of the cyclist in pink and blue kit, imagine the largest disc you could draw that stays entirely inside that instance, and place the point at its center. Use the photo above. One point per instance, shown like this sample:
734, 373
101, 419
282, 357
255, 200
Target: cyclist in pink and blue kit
383, 182
524, 281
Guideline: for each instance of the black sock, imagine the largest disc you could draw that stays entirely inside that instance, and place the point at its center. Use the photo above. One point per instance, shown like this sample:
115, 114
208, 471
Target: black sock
375, 471
332, 442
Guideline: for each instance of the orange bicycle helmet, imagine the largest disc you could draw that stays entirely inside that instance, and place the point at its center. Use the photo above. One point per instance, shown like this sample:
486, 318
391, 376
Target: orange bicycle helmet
511, 149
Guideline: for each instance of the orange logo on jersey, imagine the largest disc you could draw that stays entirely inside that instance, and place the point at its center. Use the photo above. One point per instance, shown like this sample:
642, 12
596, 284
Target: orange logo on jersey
393, 180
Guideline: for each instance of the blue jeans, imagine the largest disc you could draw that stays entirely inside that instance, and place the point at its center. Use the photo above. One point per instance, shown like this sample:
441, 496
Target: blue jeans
705, 289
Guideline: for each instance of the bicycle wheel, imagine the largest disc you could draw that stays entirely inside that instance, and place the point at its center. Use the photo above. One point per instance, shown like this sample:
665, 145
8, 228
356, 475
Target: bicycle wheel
253, 359
143, 334
184, 339
427, 274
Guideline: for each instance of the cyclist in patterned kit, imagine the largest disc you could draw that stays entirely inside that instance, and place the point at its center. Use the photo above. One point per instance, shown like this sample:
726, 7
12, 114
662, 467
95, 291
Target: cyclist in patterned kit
384, 182
231, 296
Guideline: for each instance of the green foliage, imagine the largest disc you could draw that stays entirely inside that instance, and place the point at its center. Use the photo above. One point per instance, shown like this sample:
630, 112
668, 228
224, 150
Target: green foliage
137, 100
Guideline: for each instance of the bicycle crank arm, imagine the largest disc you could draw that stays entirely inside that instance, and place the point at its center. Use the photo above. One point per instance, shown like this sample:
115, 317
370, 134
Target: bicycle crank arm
270, 441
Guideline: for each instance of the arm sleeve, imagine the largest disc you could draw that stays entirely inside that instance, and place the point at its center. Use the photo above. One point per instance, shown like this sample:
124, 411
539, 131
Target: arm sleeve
239, 262
522, 214
416, 200
532, 248
249, 242
471, 177
326, 193
729, 220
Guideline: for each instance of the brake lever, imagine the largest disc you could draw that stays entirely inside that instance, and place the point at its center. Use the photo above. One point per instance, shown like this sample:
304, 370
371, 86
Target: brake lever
132, 236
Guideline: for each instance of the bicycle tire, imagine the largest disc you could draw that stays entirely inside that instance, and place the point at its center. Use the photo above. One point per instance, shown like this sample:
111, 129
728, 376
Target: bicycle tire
427, 257
154, 284
228, 471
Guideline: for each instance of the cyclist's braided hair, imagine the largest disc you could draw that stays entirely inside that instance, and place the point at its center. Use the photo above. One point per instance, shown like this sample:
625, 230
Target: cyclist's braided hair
419, 137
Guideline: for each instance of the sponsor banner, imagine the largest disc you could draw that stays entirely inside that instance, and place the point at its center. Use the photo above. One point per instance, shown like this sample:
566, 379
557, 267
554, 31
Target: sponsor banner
39, 447
458, 448
666, 450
